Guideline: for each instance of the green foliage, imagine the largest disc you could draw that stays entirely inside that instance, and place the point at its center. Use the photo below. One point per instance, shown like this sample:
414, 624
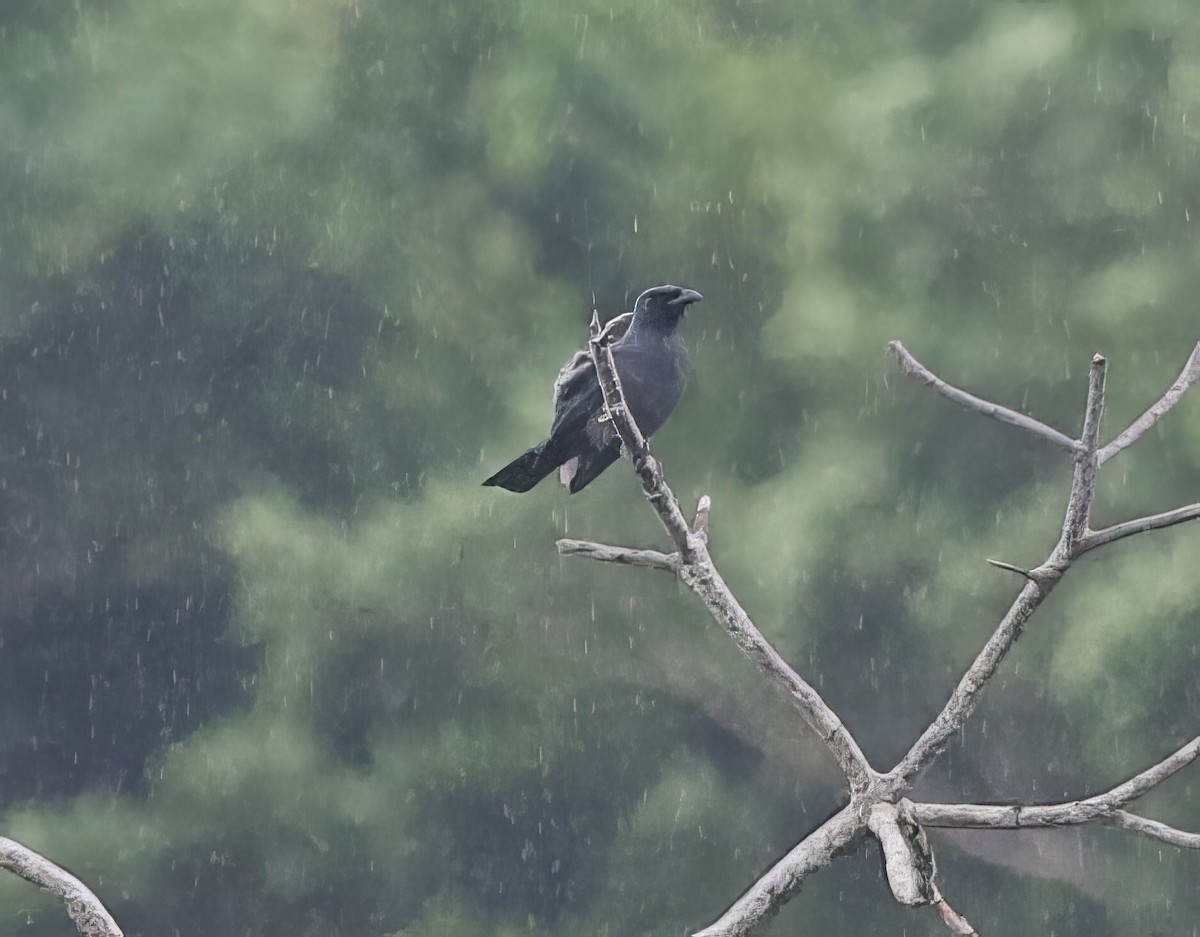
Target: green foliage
281, 282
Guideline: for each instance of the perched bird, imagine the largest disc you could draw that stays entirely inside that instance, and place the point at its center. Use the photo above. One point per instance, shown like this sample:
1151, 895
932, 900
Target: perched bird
651, 360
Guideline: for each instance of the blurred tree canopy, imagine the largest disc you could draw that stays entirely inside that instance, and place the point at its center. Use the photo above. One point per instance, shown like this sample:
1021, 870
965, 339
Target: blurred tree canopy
282, 280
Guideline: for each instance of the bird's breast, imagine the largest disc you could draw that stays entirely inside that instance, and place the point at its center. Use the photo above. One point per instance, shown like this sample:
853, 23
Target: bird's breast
652, 377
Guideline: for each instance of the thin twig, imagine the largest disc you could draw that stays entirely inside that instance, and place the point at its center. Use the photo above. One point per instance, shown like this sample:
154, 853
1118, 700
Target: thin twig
1098, 538
1189, 375
84, 908
623, 556
1012, 569
1142, 782
700, 525
1153, 828
959, 925
1083, 479
917, 371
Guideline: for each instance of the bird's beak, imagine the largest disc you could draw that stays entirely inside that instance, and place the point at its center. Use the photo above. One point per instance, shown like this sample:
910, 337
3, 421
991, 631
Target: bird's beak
687, 297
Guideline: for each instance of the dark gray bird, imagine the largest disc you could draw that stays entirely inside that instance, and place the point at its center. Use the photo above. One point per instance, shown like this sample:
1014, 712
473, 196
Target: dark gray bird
652, 362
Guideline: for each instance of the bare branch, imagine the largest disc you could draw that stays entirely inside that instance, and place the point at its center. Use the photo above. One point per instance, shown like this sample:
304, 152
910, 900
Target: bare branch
84, 908
899, 829
1153, 776
959, 925
918, 372
1016, 817
1098, 538
701, 576
700, 527
699, 573
833, 837
1012, 569
1070, 813
1040, 581
904, 877
962, 701
969, 816
1083, 479
1189, 375
1168, 834
625, 556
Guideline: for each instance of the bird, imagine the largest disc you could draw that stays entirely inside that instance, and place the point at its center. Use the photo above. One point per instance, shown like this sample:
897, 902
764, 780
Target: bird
651, 360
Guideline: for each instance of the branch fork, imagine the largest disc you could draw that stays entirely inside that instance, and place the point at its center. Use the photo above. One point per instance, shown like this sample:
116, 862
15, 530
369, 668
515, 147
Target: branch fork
877, 808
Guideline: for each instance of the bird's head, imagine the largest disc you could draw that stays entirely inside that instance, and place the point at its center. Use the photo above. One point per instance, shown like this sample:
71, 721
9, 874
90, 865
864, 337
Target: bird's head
664, 304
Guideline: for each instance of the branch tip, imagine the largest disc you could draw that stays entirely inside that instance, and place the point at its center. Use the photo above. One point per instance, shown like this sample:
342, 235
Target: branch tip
622, 556
1153, 828
1013, 569
1134, 431
1098, 538
959, 925
917, 371
703, 507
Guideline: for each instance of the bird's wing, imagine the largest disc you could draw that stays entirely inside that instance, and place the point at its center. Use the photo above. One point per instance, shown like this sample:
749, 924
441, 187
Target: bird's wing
572, 378
576, 381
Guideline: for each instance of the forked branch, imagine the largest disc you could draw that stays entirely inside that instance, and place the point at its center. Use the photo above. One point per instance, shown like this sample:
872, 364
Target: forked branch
876, 806
1070, 813
918, 372
696, 569
1039, 582
1098, 538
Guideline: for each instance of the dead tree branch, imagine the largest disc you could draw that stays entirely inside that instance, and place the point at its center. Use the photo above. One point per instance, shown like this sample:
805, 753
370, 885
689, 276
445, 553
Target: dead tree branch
836, 836
1131, 434
622, 556
1070, 813
1040, 581
904, 857
876, 805
84, 908
1168, 834
697, 570
958, 925
918, 372
1098, 538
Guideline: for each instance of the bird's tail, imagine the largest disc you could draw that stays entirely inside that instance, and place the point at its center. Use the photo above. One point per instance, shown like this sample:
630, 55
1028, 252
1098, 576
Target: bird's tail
525, 471
589, 466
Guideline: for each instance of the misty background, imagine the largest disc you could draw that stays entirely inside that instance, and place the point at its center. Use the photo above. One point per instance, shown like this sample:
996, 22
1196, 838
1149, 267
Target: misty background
281, 281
